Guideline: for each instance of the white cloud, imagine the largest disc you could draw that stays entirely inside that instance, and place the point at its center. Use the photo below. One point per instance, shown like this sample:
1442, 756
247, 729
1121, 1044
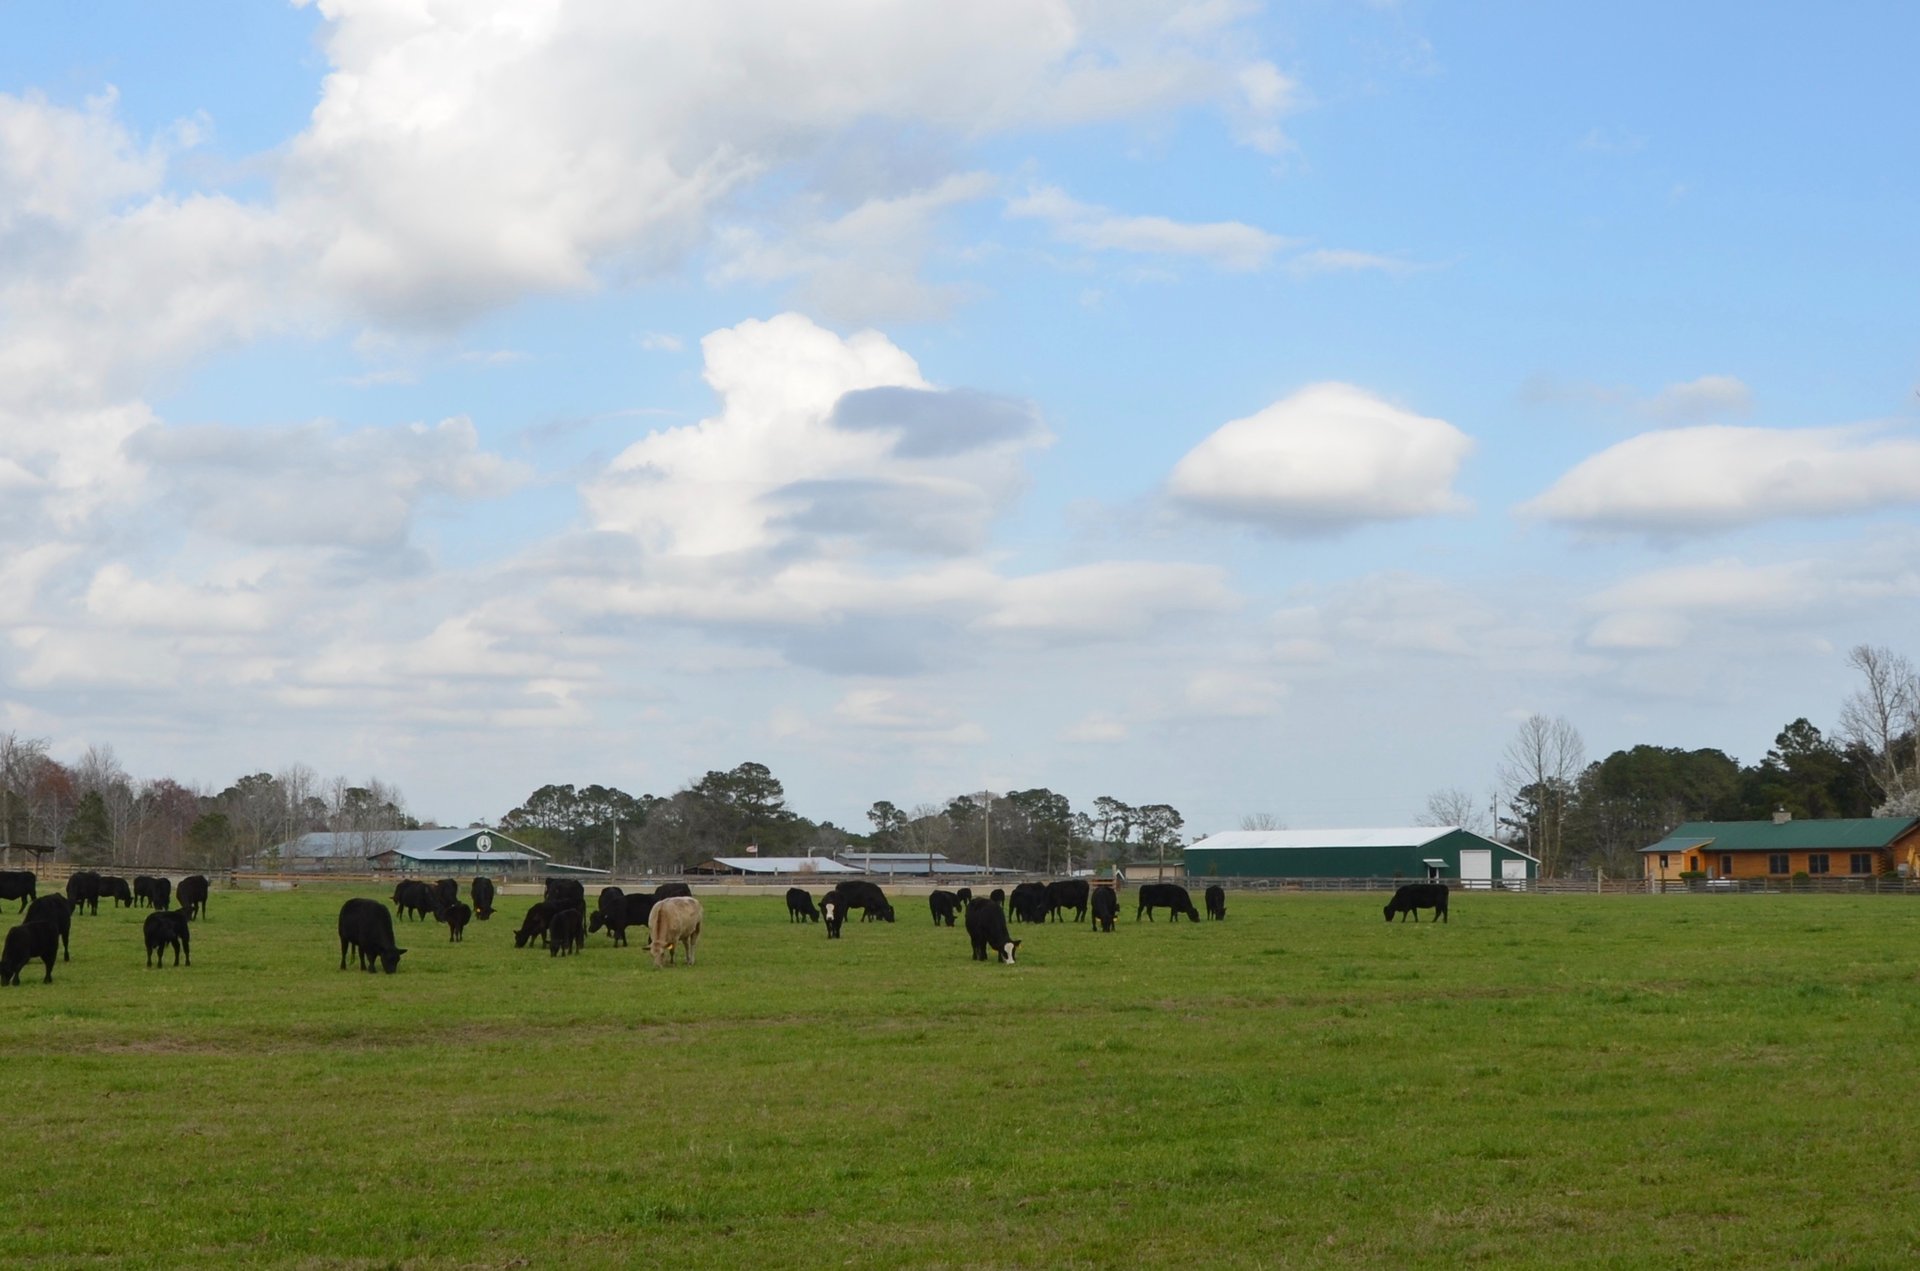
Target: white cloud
1228, 244
1709, 397
1341, 260
1328, 457
1109, 600
1223, 693
1715, 477
911, 717
1666, 608
118, 598
1098, 728
463, 155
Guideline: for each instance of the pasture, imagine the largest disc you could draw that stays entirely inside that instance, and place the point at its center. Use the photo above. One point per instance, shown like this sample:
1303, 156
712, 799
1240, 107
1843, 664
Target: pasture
1544, 1081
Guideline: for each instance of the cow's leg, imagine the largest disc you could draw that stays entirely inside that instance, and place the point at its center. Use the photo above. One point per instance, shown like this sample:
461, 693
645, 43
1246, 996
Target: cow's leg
343, 953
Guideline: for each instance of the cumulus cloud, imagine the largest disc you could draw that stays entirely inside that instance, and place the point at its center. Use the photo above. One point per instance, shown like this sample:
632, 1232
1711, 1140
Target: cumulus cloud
1329, 457
1717, 477
1109, 600
463, 155
1227, 244
1665, 608
1706, 398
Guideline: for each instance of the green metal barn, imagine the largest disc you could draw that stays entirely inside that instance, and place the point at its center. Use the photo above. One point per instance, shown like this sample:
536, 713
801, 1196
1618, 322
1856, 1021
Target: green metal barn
1413, 853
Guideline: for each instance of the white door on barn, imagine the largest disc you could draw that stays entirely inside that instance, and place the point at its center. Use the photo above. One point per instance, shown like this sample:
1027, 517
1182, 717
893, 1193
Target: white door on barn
1513, 875
1476, 869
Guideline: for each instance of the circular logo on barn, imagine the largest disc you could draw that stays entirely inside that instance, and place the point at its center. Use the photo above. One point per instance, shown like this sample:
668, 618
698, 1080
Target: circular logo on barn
484, 843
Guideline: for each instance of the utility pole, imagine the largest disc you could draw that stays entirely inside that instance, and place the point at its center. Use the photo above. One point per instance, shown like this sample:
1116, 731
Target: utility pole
987, 795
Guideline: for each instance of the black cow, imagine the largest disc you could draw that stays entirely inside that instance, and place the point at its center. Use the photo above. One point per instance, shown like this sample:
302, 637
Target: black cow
998, 897
446, 891
482, 889
612, 900
143, 889
368, 928
634, 912
1417, 896
83, 889
24, 943
167, 930
57, 911
539, 918
456, 915
1064, 894
800, 906
191, 892
1029, 902
565, 931
413, 898
665, 890
162, 894
565, 891
833, 909
1169, 896
1216, 903
116, 887
1106, 907
964, 897
18, 884
943, 904
987, 929
857, 893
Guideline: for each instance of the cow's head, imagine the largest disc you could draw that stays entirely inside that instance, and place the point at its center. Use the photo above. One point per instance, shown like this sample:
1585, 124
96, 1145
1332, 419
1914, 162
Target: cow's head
390, 962
1007, 951
1388, 911
596, 922
521, 937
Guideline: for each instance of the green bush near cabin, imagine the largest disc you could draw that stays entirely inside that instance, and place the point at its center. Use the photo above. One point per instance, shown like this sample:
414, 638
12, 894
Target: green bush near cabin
1544, 1081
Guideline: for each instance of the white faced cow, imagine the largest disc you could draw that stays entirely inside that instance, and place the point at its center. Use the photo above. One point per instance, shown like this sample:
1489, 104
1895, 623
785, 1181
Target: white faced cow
674, 921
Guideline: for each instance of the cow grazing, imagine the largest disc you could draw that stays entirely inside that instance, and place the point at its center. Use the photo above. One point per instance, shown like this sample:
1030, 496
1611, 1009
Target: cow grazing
612, 900
1106, 907
413, 898
143, 889
800, 906
565, 891
1065, 894
634, 911
675, 922
117, 888
167, 930
834, 911
20, 885
56, 911
1216, 903
665, 890
856, 893
534, 924
24, 943
987, 929
162, 894
943, 904
456, 915
566, 931
482, 890
1169, 896
1029, 902
83, 889
446, 891
191, 893
1417, 896
367, 927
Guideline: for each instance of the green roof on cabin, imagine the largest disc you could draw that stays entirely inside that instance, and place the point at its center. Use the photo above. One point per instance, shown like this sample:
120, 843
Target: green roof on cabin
1838, 834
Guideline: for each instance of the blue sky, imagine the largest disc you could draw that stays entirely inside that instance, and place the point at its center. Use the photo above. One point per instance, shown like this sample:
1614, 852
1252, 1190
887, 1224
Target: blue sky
1285, 400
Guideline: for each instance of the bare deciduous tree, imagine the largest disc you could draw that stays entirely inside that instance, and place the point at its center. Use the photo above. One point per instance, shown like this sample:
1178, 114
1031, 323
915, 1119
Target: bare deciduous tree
1882, 718
1454, 806
1262, 821
1539, 769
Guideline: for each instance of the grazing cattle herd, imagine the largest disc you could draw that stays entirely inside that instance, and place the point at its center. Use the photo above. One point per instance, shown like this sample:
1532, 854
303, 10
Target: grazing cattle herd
671, 916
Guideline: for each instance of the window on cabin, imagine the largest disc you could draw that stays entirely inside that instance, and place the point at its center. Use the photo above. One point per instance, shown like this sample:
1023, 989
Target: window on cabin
1663, 861
1726, 866
1817, 863
1777, 863
1861, 863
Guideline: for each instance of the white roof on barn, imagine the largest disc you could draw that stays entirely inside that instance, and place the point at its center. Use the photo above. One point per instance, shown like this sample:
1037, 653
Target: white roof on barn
414, 845
1401, 836
784, 865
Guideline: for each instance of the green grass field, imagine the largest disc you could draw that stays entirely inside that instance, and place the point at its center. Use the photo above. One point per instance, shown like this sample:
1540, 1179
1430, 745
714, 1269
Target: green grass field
1584, 1081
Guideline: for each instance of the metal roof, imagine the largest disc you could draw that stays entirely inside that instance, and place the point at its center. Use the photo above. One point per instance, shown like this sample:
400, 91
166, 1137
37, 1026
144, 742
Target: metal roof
412, 844
783, 865
1404, 836
894, 856
1838, 834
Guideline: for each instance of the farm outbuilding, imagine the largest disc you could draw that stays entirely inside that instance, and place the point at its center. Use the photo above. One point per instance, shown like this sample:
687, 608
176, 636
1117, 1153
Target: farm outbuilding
473, 850
1414, 853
